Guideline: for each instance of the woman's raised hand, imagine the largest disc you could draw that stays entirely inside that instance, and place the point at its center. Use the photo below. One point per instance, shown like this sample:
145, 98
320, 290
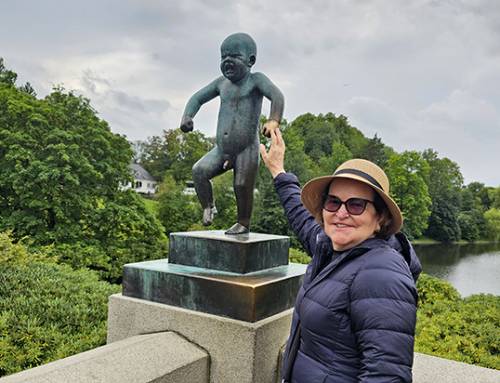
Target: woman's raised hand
274, 158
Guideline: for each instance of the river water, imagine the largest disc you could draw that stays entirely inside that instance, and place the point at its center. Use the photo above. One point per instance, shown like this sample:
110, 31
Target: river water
471, 268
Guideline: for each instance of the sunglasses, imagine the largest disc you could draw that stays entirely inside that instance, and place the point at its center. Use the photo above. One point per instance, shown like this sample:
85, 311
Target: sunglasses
354, 206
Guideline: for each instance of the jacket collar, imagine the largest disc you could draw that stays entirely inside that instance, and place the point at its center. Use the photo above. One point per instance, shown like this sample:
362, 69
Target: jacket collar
398, 242
328, 260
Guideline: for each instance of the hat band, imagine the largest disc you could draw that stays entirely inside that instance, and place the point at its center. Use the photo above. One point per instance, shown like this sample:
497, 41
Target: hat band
361, 174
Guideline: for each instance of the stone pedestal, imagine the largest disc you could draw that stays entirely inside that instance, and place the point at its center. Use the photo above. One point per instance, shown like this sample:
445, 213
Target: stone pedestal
239, 351
248, 297
230, 295
244, 253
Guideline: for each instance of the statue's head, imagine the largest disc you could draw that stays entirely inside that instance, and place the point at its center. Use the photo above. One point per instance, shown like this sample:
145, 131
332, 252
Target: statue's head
238, 54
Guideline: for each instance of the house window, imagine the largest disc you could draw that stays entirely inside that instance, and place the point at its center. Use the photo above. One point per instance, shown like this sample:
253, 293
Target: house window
138, 184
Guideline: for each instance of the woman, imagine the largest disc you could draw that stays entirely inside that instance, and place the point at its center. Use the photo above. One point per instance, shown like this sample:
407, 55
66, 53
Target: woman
354, 318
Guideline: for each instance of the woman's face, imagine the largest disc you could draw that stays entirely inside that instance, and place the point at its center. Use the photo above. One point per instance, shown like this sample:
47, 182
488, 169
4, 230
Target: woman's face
344, 229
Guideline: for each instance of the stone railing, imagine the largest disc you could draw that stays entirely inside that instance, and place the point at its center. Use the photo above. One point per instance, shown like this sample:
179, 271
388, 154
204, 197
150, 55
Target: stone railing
163, 357
168, 357
160, 357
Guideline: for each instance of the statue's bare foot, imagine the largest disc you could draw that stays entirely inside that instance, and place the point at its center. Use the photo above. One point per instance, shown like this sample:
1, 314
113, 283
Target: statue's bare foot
237, 228
208, 215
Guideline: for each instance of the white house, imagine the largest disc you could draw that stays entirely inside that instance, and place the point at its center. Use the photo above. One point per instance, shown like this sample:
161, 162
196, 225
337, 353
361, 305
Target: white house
144, 182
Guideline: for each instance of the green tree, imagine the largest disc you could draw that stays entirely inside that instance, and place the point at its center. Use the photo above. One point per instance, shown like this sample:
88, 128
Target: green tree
444, 184
176, 210
407, 173
328, 164
60, 182
481, 192
471, 216
269, 216
7, 77
492, 217
494, 197
58, 159
176, 153
376, 151
296, 160
469, 228
184, 151
320, 132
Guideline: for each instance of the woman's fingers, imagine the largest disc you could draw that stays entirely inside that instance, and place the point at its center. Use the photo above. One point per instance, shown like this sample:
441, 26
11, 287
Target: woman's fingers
279, 138
263, 153
274, 157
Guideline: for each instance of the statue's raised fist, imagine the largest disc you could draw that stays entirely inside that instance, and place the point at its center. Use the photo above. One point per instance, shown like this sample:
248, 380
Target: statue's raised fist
187, 124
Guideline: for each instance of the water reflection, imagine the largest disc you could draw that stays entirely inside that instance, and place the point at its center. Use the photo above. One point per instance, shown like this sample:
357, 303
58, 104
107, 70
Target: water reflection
471, 268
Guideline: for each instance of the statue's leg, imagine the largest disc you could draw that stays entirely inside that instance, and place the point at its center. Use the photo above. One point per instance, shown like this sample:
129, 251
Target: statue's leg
209, 166
245, 173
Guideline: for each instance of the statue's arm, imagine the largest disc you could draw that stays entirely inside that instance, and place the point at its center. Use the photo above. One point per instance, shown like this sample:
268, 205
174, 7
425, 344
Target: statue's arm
196, 101
273, 94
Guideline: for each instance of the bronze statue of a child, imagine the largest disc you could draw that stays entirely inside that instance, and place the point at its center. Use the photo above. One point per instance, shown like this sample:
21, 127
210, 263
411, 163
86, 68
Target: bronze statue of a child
237, 138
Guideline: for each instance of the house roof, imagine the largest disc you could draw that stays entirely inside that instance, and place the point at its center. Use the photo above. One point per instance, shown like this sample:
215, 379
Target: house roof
140, 173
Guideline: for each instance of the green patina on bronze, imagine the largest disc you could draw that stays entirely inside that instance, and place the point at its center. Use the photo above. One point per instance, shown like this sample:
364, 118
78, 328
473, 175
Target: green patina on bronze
249, 297
239, 254
237, 139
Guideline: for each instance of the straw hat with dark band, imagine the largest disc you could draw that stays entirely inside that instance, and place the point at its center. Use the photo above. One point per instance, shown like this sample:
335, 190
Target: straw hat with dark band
360, 170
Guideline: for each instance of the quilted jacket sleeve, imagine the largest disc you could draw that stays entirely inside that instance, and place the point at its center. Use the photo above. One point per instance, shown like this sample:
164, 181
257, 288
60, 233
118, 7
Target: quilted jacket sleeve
383, 313
301, 221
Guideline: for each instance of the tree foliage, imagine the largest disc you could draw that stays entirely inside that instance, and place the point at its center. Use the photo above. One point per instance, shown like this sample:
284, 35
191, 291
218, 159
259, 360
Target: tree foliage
494, 197
492, 217
320, 132
444, 184
175, 152
296, 160
328, 164
118, 231
60, 182
376, 151
471, 216
481, 192
268, 215
176, 210
407, 173
57, 160
7, 77
428, 188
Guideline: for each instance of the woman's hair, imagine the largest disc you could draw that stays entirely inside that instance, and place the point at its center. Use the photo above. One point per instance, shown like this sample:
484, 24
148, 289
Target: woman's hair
385, 216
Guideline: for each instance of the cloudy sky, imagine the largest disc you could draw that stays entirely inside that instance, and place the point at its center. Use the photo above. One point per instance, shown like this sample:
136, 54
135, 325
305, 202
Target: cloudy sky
420, 74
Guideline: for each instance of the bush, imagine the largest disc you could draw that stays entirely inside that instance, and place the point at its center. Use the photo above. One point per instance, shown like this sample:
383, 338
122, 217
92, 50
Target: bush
121, 231
17, 253
448, 326
298, 256
47, 311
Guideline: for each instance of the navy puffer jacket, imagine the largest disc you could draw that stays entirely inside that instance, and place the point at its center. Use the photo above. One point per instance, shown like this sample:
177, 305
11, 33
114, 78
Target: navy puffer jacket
356, 308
